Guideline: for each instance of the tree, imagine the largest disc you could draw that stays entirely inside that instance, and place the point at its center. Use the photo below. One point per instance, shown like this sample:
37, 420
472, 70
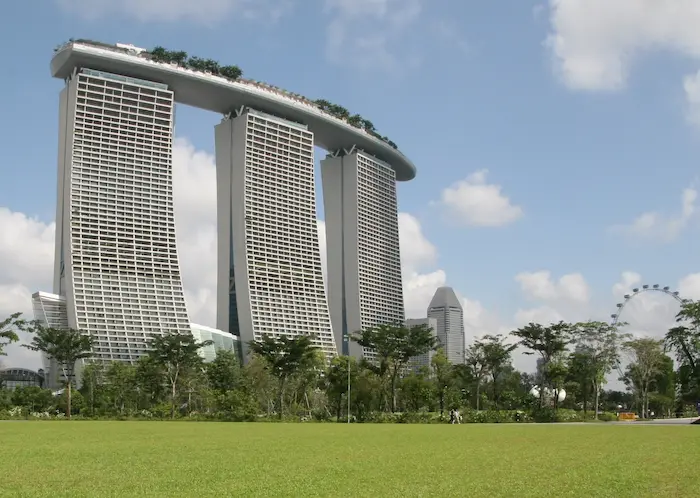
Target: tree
65, 347
496, 356
177, 354
548, 342
93, 384
230, 387
582, 370
442, 375
8, 330
476, 361
120, 386
394, 346
647, 359
284, 357
159, 54
416, 390
356, 120
337, 381
602, 343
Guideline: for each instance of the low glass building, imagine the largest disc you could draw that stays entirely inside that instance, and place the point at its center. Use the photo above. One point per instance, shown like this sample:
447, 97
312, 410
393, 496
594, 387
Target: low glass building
222, 340
12, 378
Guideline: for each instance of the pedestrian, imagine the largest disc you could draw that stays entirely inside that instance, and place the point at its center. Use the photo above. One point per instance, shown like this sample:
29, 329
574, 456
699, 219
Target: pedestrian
452, 416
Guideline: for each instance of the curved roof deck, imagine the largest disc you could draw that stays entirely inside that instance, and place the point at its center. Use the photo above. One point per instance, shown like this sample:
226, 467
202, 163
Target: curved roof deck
218, 94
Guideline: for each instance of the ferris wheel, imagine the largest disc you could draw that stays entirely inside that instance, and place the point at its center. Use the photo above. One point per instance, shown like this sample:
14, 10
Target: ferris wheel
640, 290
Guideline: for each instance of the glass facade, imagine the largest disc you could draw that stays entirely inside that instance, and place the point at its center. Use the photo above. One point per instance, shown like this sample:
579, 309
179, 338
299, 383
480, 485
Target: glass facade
222, 340
12, 378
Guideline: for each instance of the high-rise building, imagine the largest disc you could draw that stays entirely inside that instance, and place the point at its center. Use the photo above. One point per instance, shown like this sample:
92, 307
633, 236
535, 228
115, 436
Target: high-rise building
362, 238
116, 262
270, 280
425, 359
447, 311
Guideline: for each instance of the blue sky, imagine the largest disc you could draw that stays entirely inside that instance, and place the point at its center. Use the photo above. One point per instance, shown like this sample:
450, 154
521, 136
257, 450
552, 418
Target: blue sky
564, 121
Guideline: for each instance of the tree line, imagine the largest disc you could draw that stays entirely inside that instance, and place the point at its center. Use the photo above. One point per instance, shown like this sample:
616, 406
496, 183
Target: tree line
287, 378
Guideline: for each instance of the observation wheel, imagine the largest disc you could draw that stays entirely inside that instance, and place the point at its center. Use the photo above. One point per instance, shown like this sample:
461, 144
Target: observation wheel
615, 317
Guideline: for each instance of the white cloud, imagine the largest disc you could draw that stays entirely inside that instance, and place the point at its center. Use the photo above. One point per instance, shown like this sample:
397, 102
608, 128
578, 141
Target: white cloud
594, 43
540, 286
660, 227
366, 32
165, 11
689, 286
473, 202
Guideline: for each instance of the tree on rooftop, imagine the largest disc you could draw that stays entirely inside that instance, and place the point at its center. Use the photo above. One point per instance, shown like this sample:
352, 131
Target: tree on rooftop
159, 54
230, 72
355, 120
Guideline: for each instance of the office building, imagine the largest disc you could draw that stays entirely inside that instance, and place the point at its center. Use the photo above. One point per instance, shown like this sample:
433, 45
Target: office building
116, 262
362, 238
447, 311
270, 280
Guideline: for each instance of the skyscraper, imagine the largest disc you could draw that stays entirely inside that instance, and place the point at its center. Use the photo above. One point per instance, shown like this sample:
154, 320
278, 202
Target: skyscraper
116, 262
269, 265
447, 311
362, 237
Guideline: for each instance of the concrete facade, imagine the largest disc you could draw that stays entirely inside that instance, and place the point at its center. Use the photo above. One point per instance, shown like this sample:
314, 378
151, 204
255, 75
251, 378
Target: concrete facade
116, 262
270, 280
362, 240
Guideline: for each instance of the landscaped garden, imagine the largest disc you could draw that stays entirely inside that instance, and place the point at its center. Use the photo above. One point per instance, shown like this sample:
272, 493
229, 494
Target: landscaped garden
76, 459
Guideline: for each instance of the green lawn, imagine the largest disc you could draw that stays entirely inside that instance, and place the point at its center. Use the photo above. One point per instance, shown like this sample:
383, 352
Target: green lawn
190, 459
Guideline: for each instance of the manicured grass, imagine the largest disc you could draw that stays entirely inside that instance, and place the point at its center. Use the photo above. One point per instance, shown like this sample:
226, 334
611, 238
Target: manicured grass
173, 459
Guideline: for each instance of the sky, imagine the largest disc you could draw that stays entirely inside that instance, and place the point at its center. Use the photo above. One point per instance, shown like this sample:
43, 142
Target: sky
556, 141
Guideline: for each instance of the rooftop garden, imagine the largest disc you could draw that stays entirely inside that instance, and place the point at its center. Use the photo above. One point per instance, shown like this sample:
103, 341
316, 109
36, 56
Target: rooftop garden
234, 73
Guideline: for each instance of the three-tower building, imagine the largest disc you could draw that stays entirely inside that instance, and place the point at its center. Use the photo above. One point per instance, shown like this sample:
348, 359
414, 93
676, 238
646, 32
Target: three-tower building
117, 274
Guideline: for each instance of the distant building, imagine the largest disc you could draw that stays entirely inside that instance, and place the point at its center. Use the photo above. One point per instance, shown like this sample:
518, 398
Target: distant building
423, 360
222, 340
447, 311
12, 378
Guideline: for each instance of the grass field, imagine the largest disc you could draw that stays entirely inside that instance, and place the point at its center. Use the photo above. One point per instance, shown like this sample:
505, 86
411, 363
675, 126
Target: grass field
183, 459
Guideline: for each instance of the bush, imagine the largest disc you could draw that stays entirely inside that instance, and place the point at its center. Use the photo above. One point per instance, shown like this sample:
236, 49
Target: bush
494, 416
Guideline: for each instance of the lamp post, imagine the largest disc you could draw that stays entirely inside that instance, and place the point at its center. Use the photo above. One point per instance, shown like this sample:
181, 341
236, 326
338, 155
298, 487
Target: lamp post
346, 340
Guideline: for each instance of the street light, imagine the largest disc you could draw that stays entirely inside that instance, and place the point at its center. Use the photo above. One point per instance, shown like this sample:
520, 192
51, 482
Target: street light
346, 340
